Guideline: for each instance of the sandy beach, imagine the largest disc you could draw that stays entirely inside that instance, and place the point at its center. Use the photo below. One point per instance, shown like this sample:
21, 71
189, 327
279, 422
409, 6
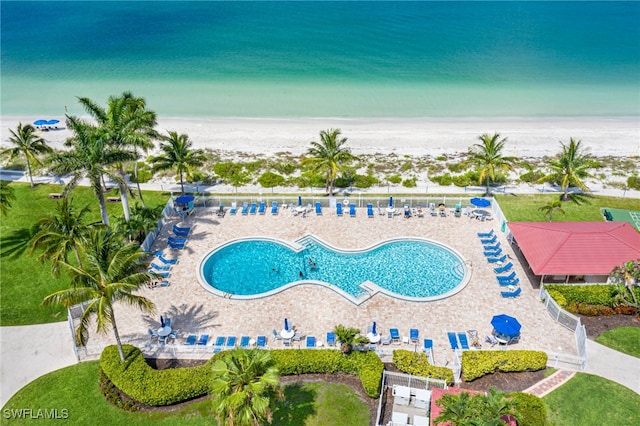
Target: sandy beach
527, 137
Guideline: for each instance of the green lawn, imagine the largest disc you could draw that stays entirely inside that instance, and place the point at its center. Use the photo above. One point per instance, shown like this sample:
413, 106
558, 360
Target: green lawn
25, 281
75, 389
524, 208
623, 339
588, 400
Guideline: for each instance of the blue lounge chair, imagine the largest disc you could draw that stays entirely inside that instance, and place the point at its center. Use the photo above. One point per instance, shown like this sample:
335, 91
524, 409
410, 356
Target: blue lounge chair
261, 342
318, 209
177, 246
407, 212
331, 338
262, 208
164, 283
160, 267
493, 253
167, 261
414, 335
486, 234
394, 334
202, 341
163, 274
427, 345
252, 209
191, 340
352, 210
505, 278
177, 240
504, 268
464, 343
453, 340
370, 210
508, 283
244, 342
514, 293
489, 240
152, 333
339, 209
181, 232
497, 259
219, 344
245, 209
274, 208
233, 210
493, 247
231, 342
311, 342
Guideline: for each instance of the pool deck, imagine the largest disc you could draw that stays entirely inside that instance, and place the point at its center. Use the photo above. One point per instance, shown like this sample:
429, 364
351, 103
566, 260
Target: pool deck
314, 310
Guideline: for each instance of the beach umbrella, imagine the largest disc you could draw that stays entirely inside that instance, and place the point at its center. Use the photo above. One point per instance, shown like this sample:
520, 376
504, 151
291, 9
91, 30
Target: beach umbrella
299, 200
374, 331
505, 324
185, 199
390, 201
480, 202
41, 122
52, 122
286, 324
161, 321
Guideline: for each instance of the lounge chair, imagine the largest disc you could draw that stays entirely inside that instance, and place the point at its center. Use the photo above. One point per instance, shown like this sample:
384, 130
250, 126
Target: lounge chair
220, 212
274, 208
414, 335
177, 246
310, 342
164, 283
252, 209
339, 209
262, 208
177, 240
503, 269
464, 343
276, 335
152, 333
174, 334
231, 342
514, 293
493, 247
453, 340
407, 212
443, 211
420, 212
163, 274
181, 232
432, 209
427, 345
202, 341
492, 253
486, 234
261, 342
504, 278
497, 259
160, 267
244, 342
318, 209
467, 212
234, 209
458, 210
219, 343
331, 338
352, 210
167, 261
245, 209
191, 340
514, 282
370, 212
394, 334
489, 240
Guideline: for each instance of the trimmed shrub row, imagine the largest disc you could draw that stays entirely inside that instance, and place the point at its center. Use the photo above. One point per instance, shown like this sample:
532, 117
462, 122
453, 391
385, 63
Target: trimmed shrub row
166, 387
591, 300
476, 364
418, 365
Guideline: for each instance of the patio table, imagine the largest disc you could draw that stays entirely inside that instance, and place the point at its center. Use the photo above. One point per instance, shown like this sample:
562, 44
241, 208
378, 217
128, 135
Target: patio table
374, 338
164, 331
287, 334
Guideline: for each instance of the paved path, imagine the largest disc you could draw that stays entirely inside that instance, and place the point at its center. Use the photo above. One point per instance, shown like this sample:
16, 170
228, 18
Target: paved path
552, 382
613, 365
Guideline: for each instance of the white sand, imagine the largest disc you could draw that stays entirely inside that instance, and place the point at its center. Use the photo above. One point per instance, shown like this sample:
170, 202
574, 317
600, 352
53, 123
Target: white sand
527, 137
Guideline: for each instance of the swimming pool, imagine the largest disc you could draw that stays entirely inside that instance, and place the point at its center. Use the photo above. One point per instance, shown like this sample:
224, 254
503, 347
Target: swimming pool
407, 268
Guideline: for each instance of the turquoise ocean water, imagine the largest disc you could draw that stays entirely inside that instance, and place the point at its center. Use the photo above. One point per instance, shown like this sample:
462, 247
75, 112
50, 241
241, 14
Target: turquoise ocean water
325, 59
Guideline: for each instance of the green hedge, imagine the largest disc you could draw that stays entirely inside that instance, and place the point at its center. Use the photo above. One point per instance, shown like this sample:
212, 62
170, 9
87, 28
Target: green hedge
476, 364
532, 410
418, 365
591, 294
165, 387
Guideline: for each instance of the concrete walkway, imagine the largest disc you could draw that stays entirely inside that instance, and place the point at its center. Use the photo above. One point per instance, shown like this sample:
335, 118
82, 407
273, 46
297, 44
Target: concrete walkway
613, 365
551, 383
30, 351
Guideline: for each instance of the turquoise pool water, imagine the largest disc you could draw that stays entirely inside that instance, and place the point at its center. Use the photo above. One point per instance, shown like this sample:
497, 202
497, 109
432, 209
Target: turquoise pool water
414, 268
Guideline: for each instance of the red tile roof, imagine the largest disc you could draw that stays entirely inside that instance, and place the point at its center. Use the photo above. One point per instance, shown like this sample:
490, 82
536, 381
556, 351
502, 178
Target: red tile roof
576, 248
436, 394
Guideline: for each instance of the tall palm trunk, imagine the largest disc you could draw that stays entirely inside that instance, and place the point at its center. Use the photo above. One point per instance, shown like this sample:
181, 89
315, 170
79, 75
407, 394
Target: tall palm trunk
30, 173
487, 191
117, 335
97, 190
135, 173
124, 195
181, 183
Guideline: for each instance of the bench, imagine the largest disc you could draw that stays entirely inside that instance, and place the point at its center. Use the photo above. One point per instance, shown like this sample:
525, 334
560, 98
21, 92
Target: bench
55, 195
113, 199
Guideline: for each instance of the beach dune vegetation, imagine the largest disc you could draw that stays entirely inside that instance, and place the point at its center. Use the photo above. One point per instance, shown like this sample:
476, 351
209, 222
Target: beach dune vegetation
329, 156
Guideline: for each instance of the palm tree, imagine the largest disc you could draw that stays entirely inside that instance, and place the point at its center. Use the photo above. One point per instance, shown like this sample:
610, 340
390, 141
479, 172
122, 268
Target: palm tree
7, 195
111, 272
329, 155
550, 207
142, 221
90, 155
28, 145
245, 385
488, 155
125, 123
177, 154
456, 409
59, 233
496, 406
569, 167
348, 336
627, 275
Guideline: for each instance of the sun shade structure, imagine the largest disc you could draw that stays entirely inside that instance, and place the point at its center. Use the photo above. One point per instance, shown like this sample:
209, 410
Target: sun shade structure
576, 248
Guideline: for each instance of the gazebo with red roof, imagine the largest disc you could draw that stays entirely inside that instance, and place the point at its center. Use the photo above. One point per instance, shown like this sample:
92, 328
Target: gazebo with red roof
579, 249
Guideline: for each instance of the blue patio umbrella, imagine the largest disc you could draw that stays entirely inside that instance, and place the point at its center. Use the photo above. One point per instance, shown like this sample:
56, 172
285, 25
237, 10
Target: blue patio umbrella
373, 329
299, 200
480, 202
185, 199
390, 201
161, 321
52, 122
505, 324
286, 324
41, 122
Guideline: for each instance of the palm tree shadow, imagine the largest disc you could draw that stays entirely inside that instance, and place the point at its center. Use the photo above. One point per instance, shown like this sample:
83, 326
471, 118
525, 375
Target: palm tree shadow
16, 243
187, 319
296, 407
